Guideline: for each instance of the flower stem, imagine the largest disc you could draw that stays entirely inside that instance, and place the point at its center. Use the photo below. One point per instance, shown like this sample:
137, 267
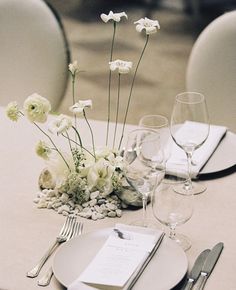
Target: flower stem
117, 110
58, 151
78, 135
109, 83
131, 90
73, 99
69, 143
91, 131
73, 141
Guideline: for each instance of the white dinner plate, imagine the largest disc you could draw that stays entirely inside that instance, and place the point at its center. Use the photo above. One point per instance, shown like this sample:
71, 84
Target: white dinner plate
224, 156
165, 270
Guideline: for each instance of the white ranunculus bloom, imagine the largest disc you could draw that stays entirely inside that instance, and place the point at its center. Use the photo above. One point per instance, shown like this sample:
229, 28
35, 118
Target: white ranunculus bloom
122, 66
12, 111
60, 125
113, 16
100, 176
73, 67
36, 108
78, 107
149, 25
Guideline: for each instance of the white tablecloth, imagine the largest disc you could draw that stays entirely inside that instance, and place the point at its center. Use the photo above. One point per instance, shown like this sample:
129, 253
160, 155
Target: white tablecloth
25, 231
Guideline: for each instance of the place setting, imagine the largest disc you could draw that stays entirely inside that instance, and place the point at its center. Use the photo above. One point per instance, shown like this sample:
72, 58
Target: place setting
121, 192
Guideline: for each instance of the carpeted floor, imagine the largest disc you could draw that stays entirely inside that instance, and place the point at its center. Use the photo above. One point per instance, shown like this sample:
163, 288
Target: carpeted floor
161, 74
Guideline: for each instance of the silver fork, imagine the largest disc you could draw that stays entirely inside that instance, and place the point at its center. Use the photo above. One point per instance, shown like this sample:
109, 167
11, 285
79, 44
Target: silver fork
65, 233
45, 280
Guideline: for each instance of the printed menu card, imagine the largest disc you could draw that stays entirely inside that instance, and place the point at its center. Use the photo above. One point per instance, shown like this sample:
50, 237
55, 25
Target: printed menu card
125, 249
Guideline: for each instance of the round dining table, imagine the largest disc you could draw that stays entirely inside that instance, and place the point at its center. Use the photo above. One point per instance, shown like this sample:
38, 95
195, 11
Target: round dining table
27, 231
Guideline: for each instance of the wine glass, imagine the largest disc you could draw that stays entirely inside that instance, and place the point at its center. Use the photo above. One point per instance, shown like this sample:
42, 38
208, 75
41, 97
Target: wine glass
143, 165
190, 128
160, 124
172, 204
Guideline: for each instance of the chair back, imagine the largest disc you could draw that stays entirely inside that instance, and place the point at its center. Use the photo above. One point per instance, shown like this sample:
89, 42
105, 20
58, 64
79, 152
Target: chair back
212, 69
34, 53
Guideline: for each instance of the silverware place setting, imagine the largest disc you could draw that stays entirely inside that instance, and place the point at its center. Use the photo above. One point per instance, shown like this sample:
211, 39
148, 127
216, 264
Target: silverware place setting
70, 229
203, 267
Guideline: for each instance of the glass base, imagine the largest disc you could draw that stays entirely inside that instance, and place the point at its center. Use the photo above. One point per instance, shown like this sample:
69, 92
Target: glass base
148, 223
183, 241
197, 188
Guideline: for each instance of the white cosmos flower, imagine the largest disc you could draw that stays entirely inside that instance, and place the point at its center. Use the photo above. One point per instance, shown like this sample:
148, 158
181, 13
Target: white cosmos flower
59, 125
100, 176
122, 66
12, 111
36, 108
73, 67
78, 108
113, 16
149, 25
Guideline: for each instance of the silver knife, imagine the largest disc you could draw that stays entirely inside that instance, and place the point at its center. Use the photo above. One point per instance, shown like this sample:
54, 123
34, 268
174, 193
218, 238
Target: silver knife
196, 270
209, 265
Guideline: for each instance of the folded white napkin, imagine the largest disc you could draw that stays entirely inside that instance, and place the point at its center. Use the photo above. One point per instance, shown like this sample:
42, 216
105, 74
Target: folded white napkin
178, 157
123, 252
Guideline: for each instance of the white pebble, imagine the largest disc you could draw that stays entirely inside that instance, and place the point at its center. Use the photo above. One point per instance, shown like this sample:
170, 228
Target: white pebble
93, 202
119, 212
112, 214
36, 200
94, 194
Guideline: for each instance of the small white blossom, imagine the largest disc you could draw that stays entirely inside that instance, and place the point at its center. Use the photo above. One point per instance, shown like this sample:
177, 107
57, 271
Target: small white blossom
113, 16
60, 125
122, 66
149, 25
43, 150
73, 67
78, 108
36, 108
12, 111
100, 176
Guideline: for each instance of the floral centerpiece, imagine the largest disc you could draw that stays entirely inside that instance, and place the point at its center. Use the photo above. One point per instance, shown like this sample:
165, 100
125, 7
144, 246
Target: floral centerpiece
87, 181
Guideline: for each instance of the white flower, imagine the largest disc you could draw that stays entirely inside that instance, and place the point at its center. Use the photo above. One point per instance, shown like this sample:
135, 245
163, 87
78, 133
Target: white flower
149, 25
78, 108
122, 66
42, 150
58, 168
12, 111
113, 16
100, 176
36, 108
73, 67
59, 125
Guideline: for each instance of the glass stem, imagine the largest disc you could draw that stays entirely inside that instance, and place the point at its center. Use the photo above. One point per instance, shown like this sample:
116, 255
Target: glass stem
189, 185
172, 233
144, 199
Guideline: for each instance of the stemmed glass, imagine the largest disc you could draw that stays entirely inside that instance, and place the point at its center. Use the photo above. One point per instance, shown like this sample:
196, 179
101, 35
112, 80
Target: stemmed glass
172, 204
190, 128
143, 165
160, 124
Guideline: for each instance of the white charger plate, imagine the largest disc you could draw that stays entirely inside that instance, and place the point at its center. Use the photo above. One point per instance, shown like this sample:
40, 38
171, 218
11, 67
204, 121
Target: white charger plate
165, 270
223, 157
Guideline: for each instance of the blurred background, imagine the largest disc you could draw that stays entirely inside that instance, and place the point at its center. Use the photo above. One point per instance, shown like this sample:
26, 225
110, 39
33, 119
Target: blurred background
162, 71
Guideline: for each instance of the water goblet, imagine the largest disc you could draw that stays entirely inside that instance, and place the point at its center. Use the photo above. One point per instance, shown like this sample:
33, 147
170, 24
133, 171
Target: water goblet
160, 124
172, 204
190, 128
143, 165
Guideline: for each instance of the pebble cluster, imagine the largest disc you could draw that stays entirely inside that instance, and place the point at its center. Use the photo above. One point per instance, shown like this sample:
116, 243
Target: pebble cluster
98, 206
